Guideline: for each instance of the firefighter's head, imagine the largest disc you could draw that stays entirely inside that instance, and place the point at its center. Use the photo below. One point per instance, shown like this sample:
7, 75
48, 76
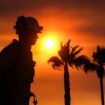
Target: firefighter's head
27, 28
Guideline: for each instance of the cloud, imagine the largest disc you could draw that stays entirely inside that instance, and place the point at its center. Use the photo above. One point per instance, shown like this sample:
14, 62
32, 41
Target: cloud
91, 30
12, 7
86, 16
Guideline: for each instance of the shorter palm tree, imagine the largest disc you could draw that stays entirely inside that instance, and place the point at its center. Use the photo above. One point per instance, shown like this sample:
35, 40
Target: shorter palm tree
97, 65
68, 56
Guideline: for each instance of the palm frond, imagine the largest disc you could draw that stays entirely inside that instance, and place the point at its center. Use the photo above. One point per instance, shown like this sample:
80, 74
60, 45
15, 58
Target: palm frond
80, 61
56, 62
64, 51
70, 59
78, 51
99, 55
90, 67
74, 48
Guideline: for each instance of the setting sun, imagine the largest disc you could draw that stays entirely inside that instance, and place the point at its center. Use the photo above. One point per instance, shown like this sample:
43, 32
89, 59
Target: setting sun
49, 43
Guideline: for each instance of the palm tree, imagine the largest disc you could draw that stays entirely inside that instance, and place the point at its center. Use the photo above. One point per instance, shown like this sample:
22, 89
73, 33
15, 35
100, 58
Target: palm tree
67, 57
97, 65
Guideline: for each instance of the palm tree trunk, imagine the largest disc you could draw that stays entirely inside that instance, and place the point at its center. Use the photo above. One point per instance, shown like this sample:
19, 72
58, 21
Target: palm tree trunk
66, 85
102, 91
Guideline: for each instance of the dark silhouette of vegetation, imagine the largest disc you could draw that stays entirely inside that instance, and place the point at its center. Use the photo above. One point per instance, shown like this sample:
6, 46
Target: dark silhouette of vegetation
97, 65
68, 56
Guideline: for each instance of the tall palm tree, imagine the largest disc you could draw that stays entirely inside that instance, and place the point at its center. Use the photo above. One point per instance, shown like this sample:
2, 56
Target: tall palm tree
97, 65
67, 57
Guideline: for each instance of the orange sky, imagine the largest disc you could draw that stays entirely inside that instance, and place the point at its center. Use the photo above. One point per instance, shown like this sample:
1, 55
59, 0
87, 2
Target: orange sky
81, 21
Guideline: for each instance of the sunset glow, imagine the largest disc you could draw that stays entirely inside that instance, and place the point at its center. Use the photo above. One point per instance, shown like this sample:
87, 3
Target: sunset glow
49, 43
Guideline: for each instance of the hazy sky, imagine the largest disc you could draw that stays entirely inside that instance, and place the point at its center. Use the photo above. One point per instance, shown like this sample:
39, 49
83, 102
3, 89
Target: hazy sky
90, 12
82, 21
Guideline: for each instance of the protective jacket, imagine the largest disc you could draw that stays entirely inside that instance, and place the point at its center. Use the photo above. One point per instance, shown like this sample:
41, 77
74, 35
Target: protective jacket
16, 74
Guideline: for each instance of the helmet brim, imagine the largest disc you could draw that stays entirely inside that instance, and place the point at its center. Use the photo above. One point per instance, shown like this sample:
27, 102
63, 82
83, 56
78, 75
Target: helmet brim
40, 29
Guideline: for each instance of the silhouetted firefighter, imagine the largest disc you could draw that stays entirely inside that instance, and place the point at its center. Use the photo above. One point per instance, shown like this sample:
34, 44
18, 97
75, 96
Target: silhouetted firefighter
16, 64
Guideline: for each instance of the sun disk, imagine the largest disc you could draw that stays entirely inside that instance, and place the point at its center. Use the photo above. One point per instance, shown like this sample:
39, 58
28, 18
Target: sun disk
49, 44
